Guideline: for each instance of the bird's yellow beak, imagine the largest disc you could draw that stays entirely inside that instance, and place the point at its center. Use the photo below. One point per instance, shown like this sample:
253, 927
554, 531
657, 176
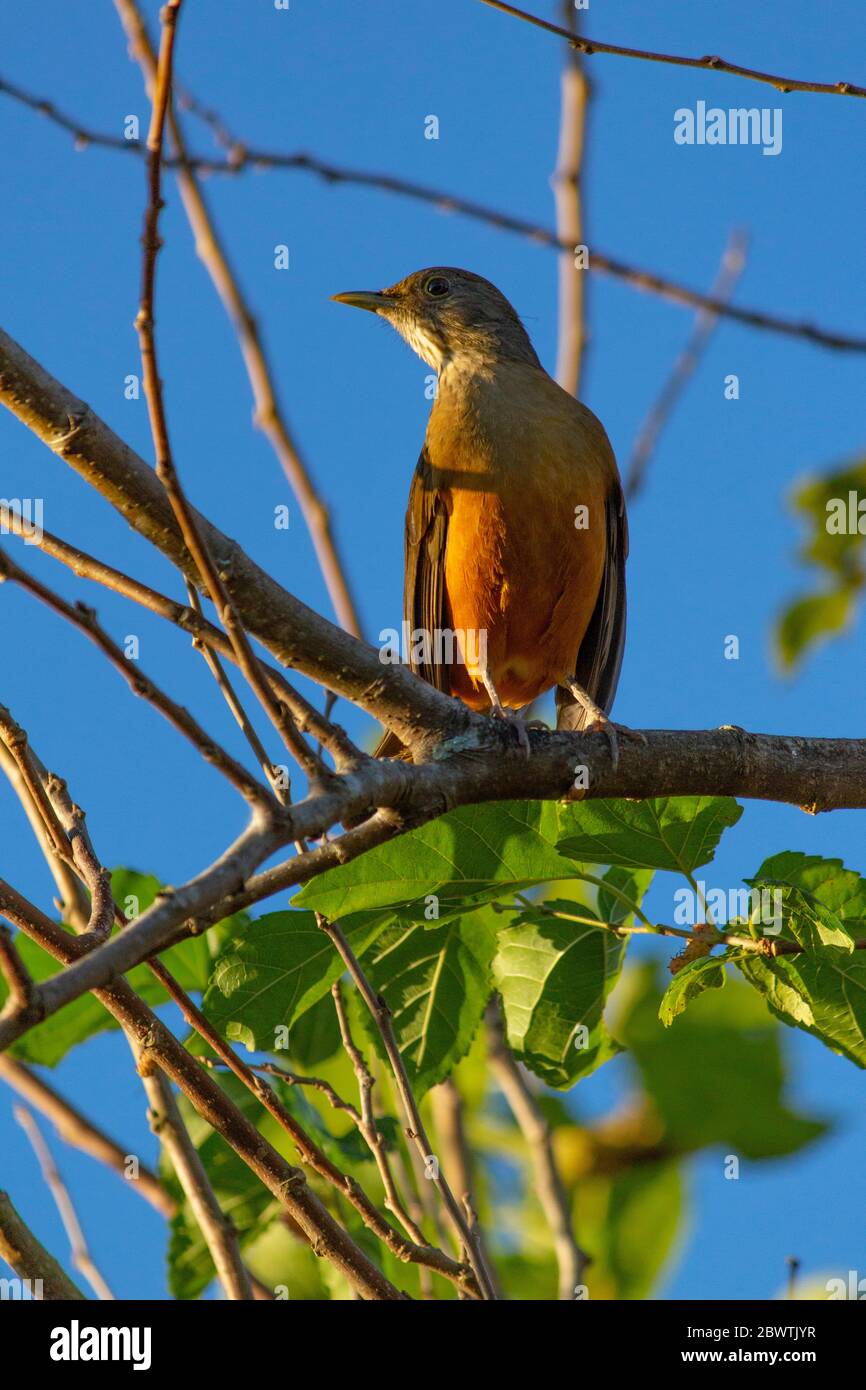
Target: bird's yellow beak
364, 299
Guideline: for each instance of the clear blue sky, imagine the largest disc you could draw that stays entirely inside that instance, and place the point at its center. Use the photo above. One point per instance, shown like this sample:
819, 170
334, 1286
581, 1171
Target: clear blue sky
713, 541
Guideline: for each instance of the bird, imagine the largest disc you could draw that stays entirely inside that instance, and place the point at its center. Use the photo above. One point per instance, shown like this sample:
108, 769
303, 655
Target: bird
516, 533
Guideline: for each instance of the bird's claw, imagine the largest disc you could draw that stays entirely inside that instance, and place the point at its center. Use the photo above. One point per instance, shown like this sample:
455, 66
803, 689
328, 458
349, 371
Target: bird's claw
612, 731
516, 722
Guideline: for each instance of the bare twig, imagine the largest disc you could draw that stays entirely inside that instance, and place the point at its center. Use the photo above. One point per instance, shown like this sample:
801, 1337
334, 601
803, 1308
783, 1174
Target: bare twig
419, 1253
191, 620
81, 1257
415, 1130
30, 1260
730, 270
244, 158
366, 1120
218, 1230
80, 1132
166, 471
548, 1186
568, 195
448, 1121
713, 64
63, 821
86, 620
269, 415
73, 902
287, 1183
280, 785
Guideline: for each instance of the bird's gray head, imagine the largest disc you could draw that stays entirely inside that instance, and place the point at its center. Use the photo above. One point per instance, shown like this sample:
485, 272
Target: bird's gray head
447, 314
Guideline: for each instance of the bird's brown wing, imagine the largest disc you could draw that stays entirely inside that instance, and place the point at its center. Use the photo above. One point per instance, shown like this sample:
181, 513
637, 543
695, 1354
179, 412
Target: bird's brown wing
424, 605
600, 656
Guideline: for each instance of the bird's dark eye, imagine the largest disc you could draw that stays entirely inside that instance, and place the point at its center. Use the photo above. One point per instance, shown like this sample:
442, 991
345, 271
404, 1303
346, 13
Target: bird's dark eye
437, 286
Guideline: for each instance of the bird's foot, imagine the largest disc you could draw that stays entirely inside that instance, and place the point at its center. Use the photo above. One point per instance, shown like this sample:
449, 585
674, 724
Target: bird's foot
613, 732
515, 720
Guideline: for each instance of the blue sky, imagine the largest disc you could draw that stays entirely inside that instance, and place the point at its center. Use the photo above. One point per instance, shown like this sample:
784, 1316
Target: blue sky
713, 538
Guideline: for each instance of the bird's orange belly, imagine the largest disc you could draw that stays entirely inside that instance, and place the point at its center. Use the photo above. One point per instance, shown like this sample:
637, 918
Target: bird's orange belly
521, 583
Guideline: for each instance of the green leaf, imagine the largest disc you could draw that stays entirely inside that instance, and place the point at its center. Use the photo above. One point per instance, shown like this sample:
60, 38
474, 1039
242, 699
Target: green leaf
811, 619
619, 884
554, 976
629, 1225
824, 994
476, 852
674, 833
280, 968
836, 547
315, 1035
718, 1076
436, 982
822, 902
688, 983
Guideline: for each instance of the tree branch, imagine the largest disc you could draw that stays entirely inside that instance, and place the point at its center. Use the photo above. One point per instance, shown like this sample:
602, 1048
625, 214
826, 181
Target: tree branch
243, 158
79, 1132
218, 1230
730, 270
81, 1257
568, 197
711, 63
286, 1182
548, 1184
269, 415
30, 1260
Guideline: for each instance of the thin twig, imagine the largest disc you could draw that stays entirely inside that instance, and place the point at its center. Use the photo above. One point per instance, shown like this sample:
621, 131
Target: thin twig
310, 1152
280, 786
730, 270
81, 1257
80, 1132
269, 415
73, 902
568, 197
711, 63
366, 1121
63, 822
548, 1185
165, 468
86, 620
448, 1120
599, 262
414, 1124
218, 1230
